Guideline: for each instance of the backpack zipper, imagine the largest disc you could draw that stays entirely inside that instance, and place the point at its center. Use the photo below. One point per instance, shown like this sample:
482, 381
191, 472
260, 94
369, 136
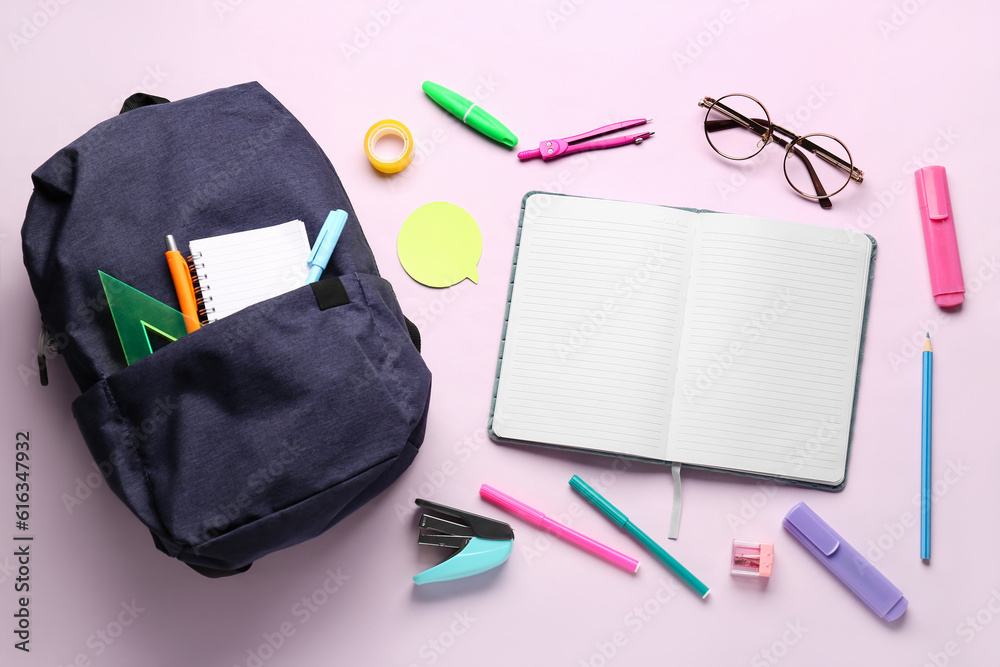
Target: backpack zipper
45, 342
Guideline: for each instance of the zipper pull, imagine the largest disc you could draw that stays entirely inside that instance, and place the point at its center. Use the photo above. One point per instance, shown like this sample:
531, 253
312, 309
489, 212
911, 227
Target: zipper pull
44, 343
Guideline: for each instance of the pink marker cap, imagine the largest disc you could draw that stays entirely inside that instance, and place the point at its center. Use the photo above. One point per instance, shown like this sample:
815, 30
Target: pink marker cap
943, 261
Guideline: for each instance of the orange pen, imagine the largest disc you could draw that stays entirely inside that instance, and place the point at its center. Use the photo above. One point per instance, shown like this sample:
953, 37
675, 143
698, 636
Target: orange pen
181, 273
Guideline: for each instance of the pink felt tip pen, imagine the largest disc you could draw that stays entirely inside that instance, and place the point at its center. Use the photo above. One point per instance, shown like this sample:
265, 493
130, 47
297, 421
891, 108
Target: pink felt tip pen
939, 236
534, 516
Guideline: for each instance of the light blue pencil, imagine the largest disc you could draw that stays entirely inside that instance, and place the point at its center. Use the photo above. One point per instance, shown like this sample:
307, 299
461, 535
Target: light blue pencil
925, 458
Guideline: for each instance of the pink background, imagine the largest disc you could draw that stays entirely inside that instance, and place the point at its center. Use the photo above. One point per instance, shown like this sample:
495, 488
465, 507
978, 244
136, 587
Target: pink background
902, 83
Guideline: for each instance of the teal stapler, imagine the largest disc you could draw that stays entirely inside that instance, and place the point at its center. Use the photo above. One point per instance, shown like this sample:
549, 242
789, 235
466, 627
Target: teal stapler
481, 544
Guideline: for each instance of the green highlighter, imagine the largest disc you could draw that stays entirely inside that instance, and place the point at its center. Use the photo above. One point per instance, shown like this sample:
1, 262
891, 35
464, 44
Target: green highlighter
470, 113
613, 513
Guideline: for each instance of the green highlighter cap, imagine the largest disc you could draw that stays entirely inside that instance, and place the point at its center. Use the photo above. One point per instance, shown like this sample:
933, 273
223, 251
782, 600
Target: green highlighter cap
470, 113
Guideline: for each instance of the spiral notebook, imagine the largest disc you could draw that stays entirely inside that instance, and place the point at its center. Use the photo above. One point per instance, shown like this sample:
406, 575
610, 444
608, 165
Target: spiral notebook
681, 336
240, 269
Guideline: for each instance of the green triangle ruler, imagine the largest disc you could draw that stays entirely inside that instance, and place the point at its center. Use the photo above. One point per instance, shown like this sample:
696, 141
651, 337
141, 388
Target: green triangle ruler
136, 315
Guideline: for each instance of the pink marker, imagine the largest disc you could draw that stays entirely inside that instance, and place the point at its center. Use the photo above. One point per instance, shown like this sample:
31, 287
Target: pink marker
939, 236
534, 516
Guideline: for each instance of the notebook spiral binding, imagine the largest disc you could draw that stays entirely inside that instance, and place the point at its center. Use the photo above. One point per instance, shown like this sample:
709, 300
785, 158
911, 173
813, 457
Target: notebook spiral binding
205, 312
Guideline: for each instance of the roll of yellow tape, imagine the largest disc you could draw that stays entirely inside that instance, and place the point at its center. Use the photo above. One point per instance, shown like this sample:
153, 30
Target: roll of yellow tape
385, 128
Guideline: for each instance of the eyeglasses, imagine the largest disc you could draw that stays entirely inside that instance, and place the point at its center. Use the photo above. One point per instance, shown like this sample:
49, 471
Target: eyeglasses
738, 127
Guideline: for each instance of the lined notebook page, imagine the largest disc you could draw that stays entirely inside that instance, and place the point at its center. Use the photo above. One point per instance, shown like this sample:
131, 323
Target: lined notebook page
768, 364
241, 269
592, 335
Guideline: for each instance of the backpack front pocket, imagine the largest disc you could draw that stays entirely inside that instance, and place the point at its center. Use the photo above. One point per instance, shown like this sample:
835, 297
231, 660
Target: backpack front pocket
259, 411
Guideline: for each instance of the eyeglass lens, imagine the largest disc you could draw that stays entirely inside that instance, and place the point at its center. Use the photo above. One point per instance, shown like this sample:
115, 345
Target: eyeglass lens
811, 162
736, 126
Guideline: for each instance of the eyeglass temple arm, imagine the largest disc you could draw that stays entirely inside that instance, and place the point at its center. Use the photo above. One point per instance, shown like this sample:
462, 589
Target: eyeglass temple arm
856, 174
760, 126
824, 201
717, 125
736, 119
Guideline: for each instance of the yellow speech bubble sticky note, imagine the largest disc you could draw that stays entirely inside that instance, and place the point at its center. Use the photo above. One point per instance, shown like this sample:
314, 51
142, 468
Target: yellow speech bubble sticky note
440, 245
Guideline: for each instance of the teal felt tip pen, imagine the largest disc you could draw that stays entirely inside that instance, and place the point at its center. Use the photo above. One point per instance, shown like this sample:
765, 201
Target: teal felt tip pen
613, 513
469, 113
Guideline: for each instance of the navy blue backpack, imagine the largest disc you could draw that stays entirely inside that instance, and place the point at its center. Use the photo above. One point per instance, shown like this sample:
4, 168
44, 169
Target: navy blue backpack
266, 427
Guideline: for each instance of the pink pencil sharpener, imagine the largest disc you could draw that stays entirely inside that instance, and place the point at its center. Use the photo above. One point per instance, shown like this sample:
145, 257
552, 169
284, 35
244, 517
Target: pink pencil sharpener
752, 559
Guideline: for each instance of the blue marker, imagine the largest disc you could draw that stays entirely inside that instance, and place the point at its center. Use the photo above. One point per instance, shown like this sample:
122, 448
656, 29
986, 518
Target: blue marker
325, 243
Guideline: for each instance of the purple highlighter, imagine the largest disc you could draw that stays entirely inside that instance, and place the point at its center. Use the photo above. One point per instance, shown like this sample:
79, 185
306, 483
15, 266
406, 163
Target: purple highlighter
844, 561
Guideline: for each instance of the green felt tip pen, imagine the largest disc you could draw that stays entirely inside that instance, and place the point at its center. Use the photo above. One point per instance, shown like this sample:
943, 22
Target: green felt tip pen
469, 113
613, 513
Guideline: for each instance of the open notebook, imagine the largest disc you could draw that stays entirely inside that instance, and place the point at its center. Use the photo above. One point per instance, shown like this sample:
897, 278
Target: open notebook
706, 339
